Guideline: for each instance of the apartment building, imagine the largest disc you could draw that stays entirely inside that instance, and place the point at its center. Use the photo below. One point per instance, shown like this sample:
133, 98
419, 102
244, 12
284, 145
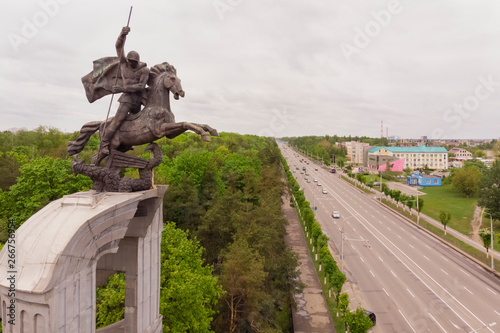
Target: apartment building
415, 157
355, 151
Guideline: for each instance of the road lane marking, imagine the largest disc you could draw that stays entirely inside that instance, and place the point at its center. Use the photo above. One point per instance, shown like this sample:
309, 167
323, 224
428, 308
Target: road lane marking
437, 322
380, 259
407, 321
410, 292
444, 271
354, 229
414, 237
372, 273
498, 313
389, 229
494, 293
353, 247
387, 243
426, 258
464, 272
394, 274
399, 236
361, 259
469, 291
411, 246
444, 258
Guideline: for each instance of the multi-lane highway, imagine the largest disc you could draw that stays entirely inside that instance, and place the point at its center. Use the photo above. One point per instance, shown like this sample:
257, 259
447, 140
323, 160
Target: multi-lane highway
413, 282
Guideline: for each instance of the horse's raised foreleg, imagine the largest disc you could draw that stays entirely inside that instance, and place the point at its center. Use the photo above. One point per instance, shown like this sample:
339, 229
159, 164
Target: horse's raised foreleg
208, 129
171, 130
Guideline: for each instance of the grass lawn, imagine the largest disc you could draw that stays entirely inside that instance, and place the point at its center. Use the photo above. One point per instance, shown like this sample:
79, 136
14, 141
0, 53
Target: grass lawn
445, 198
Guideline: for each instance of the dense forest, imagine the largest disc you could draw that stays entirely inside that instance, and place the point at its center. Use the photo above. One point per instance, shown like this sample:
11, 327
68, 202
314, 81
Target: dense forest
225, 267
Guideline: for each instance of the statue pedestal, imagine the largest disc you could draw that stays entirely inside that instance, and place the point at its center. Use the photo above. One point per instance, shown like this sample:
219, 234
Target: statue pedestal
71, 246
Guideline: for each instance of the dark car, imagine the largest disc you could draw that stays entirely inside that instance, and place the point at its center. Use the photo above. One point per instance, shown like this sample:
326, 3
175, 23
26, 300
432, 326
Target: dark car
372, 316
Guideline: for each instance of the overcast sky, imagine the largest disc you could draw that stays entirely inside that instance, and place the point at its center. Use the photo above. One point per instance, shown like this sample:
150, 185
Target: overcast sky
274, 68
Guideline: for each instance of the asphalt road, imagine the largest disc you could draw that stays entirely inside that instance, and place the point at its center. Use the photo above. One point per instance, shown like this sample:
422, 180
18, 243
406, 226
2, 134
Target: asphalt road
413, 282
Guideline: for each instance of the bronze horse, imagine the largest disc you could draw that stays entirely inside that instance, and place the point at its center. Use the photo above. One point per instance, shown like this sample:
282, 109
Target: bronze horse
153, 122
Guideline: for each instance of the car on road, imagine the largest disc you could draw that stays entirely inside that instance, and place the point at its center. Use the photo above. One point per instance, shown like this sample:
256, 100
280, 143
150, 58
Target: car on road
372, 316
316, 169
336, 214
319, 184
315, 179
325, 191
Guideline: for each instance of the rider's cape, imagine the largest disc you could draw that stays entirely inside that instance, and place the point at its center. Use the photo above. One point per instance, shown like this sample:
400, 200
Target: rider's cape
104, 76
99, 82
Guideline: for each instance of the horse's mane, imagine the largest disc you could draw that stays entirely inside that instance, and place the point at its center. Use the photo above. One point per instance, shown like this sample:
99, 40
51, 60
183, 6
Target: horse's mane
156, 71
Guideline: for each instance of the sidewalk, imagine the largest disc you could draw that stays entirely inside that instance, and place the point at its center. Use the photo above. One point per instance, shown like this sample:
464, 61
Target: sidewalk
312, 314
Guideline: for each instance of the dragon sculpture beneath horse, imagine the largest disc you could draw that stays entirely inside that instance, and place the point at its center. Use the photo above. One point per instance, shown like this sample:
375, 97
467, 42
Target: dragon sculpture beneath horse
153, 122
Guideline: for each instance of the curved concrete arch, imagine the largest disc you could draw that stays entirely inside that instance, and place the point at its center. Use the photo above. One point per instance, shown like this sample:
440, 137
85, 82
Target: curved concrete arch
57, 261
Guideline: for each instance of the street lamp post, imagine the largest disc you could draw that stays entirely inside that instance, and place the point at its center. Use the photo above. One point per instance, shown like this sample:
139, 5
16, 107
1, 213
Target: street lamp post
491, 241
418, 210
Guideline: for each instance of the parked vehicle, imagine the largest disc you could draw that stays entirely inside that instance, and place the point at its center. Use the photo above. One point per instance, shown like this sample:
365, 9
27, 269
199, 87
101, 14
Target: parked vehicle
325, 191
336, 214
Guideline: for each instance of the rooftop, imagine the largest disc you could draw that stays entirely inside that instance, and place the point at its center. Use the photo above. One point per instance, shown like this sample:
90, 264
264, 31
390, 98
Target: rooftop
419, 149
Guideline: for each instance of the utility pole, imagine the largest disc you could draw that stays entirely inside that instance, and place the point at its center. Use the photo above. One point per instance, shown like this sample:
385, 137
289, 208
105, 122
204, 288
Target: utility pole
418, 210
380, 185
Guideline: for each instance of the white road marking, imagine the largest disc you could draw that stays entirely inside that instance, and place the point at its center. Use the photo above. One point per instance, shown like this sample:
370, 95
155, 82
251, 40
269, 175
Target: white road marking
494, 293
444, 271
414, 237
361, 259
353, 229
399, 236
353, 247
372, 273
410, 292
437, 322
498, 313
444, 258
394, 274
427, 246
380, 259
389, 229
426, 258
411, 246
464, 272
407, 321
469, 291
385, 291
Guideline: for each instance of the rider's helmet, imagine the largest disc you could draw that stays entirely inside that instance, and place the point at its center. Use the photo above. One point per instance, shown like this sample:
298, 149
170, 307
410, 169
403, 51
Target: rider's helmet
133, 55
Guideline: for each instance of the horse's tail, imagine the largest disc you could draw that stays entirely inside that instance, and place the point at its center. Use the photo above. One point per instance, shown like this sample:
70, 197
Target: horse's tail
74, 147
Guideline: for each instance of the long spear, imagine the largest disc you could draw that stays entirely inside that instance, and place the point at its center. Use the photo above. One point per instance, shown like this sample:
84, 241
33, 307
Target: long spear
113, 94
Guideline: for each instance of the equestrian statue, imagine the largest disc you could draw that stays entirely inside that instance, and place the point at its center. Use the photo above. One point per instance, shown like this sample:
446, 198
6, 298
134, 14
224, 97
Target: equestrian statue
131, 126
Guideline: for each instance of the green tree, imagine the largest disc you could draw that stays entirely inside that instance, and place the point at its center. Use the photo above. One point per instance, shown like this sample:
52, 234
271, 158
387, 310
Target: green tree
480, 153
485, 234
489, 193
189, 292
42, 180
444, 217
466, 181
357, 321
110, 301
242, 278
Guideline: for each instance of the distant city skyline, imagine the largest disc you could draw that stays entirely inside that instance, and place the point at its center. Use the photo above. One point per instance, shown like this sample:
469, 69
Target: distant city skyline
263, 68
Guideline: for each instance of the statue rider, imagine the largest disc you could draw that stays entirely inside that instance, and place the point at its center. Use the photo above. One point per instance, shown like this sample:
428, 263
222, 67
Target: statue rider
135, 76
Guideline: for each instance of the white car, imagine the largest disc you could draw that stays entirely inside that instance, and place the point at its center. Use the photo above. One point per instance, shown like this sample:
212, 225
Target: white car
336, 214
325, 191
315, 179
319, 184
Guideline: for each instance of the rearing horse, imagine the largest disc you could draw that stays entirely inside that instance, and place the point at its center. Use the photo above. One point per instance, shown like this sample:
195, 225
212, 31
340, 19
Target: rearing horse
153, 122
